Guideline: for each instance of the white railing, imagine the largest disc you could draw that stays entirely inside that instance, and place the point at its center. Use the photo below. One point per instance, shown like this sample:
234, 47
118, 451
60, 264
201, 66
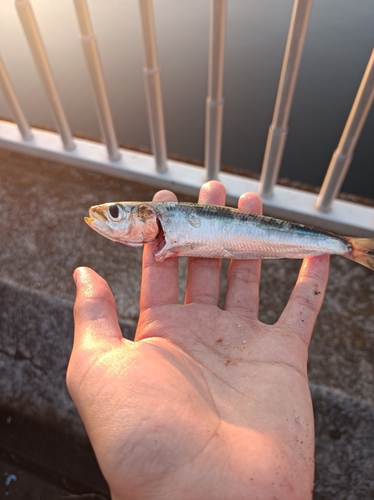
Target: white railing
323, 210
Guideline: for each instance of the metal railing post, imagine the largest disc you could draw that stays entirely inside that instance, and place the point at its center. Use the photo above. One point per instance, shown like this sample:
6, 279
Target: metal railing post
153, 86
215, 101
12, 100
343, 155
92, 56
279, 127
34, 39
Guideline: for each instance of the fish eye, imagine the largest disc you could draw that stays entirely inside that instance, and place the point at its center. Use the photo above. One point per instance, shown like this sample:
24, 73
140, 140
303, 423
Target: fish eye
115, 213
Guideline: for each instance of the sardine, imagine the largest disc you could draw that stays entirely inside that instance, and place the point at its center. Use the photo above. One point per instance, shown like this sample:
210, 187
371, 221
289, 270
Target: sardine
211, 231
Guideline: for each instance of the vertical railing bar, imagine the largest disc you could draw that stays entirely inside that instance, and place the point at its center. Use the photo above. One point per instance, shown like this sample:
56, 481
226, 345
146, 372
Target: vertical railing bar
215, 101
92, 56
343, 155
153, 86
34, 39
279, 127
14, 104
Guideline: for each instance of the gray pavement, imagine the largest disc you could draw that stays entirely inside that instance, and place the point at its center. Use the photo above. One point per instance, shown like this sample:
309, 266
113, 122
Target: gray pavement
43, 238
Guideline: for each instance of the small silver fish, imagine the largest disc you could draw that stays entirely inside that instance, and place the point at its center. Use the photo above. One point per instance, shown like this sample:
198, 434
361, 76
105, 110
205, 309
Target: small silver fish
211, 231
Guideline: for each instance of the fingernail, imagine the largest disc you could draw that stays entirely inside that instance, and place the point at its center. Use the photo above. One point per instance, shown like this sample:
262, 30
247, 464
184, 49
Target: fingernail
84, 281
207, 186
77, 276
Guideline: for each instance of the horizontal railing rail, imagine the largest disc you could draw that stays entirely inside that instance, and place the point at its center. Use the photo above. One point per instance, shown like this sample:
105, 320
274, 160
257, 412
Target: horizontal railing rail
323, 210
293, 204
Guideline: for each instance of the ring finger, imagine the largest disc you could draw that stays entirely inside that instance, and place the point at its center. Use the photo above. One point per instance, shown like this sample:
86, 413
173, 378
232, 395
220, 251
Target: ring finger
243, 279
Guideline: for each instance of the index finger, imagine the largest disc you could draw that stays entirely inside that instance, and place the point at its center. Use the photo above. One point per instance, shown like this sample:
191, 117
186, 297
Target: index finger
159, 279
306, 300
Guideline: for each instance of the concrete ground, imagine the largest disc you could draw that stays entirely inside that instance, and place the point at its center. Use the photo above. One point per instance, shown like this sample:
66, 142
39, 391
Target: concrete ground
43, 238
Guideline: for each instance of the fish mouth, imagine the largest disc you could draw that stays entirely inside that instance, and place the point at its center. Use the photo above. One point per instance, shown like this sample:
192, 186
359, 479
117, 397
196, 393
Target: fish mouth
95, 217
89, 220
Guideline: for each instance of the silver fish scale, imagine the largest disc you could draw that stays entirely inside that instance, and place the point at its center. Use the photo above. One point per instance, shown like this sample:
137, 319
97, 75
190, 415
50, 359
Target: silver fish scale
222, 232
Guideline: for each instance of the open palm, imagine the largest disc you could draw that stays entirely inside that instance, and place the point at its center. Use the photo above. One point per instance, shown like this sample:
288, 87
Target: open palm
206, 403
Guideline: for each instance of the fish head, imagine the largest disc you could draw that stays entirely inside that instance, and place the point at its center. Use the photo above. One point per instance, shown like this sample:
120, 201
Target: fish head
130, 223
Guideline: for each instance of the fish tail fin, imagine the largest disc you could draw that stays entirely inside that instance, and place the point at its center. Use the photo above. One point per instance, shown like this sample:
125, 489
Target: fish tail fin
362, 251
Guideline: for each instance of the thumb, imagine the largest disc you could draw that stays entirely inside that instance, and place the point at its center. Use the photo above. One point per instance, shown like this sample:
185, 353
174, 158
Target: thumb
95, 314
96, 328
96, 332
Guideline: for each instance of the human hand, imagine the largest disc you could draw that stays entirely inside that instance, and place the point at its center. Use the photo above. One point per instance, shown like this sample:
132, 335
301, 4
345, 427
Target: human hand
205, 403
